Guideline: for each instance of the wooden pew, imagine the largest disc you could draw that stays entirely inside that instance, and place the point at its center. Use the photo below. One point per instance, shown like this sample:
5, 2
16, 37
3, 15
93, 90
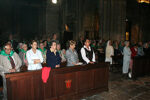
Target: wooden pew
66, 83
141, 66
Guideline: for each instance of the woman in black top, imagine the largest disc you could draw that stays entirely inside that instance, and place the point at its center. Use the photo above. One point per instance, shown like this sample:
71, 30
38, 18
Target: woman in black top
53, 59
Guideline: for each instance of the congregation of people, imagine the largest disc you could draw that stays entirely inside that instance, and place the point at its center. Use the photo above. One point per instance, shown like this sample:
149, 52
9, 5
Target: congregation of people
84, 51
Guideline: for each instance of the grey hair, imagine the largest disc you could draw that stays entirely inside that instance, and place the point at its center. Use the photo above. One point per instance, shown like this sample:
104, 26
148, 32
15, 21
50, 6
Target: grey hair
126, 42
23, 45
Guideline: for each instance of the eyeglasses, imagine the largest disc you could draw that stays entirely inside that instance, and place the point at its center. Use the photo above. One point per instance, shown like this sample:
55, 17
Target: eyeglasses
7, 49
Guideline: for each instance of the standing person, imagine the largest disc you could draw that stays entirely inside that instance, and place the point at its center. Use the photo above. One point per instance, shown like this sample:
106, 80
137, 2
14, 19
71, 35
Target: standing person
48, 42
87, 53
126, 58
109, 52
55, 38
134, 53
58, 49
140, 49
22, 54
9, 62
71, 54
43, 51
53, 59
45, 44
146, 49
80, 44
34, 57
61, 53
121, 46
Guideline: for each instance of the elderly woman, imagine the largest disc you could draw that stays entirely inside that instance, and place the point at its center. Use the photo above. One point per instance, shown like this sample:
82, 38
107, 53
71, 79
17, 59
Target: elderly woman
62, 53
22, 54
34, 57
58, 48
43, 51
71, 54
53, 59
126, 58
109, 52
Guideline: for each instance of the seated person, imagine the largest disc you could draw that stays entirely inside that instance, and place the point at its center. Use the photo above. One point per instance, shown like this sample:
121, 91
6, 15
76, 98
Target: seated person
71, 54
9, 62
87, 53
22, 54
34, 57
53, 59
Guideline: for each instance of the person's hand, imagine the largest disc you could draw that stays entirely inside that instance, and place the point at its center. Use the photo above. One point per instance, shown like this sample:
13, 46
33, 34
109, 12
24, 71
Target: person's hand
91, 62
76, 64
36, 61
12, 70
57, 66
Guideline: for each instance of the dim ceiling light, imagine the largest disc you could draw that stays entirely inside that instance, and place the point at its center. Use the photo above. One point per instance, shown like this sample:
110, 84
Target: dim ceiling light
54, 1
144, 1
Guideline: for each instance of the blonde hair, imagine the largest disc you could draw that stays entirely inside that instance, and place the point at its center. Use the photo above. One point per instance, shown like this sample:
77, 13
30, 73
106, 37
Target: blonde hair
71, 42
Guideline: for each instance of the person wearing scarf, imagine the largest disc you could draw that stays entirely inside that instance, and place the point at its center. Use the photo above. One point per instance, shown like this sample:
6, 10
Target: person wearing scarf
22, 54
43, 51
109, 52
9, 62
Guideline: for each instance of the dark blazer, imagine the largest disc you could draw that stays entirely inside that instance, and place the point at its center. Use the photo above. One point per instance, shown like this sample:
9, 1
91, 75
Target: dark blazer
52, 60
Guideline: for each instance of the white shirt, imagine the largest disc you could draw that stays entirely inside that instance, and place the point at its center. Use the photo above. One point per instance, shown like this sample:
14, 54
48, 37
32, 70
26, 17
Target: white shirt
30, 58
83, 54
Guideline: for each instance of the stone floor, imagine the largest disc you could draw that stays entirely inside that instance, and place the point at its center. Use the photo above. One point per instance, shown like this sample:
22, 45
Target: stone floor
125, 89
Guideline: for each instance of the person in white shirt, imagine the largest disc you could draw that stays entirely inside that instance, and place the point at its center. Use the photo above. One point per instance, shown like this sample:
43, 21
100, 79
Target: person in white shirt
109, 52
34, 57
87, 53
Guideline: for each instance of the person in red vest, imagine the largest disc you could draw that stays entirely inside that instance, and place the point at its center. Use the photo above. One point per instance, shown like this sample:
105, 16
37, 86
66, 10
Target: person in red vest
134, 53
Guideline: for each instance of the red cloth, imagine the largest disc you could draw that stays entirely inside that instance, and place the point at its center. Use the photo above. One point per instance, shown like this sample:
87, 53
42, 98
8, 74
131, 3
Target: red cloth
134, 52
45, 73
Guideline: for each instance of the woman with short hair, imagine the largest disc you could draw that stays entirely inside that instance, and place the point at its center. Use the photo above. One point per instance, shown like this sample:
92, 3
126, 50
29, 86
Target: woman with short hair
71, 54
53, 59
22, 54
109, 52
43, 51
34, 57
126, 58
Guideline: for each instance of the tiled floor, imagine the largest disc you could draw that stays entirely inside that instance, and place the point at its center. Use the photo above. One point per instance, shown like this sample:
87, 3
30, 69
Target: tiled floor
124, 89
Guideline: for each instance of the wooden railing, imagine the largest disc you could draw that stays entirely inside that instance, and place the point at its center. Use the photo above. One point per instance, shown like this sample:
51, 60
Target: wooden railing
66, 83
141, 66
